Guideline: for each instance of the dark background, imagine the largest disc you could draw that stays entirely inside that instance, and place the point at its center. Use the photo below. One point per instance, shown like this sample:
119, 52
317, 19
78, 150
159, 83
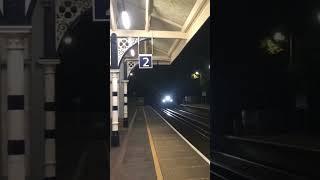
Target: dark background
82, 102
244, 75
265, 87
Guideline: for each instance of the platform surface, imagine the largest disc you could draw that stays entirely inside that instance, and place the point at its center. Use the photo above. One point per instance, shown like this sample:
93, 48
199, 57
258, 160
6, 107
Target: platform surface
153, 150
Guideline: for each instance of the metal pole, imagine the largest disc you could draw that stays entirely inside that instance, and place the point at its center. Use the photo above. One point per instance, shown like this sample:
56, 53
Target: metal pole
290, 44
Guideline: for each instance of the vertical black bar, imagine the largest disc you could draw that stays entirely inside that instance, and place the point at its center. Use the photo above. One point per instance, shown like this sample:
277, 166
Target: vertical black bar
114, 51
125, 68
49, 29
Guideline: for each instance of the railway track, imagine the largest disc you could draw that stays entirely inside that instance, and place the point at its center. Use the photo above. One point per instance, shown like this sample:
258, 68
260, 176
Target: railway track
194, 127
198, 126
241, 158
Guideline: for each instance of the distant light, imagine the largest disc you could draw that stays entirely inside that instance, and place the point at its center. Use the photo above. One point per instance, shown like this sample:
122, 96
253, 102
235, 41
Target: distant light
67, 40
167, 98
278, 36
195, 75
132, 53
209, 66
318, 16
125, 19
131, 74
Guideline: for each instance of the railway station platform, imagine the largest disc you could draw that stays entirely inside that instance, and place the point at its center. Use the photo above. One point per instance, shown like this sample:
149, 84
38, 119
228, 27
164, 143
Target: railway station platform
152, 149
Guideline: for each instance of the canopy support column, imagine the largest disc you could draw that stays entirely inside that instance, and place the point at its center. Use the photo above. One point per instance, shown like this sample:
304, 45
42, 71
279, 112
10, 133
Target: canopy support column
15, 113
114, 74
50, 115
125, 100
115, 106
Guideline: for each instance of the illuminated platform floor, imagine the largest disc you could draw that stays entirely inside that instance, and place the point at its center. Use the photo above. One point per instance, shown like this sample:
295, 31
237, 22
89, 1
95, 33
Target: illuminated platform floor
152, 149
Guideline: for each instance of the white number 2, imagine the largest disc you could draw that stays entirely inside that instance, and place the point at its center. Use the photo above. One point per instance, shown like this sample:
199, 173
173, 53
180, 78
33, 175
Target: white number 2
146, 63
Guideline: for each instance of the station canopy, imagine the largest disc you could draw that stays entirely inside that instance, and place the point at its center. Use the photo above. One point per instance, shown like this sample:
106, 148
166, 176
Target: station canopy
170, 23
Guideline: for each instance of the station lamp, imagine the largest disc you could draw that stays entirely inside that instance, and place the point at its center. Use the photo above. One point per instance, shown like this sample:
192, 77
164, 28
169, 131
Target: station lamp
125, 19
132, 53
278, 36
195, 75
67, 40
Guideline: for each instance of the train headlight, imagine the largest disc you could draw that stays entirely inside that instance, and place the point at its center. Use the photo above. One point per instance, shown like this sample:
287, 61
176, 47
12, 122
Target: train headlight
167, 99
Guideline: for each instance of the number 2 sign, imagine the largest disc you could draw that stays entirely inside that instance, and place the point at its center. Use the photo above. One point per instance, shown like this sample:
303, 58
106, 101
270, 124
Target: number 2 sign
145, 61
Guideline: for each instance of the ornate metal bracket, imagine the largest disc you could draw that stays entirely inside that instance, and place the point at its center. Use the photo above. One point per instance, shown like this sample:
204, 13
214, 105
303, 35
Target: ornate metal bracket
67, 11
130, 65
124, 44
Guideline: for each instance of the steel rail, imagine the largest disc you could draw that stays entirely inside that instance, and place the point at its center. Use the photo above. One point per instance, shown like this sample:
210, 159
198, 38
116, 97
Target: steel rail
203, 132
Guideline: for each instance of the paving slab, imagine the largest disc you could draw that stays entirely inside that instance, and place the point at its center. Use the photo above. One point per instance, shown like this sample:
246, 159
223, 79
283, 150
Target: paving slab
137, 161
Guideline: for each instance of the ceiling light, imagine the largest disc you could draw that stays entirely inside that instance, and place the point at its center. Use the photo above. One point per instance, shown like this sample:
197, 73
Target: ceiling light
125, 19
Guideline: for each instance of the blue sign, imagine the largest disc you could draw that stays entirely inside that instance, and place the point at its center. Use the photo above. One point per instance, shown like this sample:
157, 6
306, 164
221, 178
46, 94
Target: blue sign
99, 10
145, 61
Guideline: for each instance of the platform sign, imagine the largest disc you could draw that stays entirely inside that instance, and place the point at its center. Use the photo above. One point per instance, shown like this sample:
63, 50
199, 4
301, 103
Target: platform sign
100, 10
145, 61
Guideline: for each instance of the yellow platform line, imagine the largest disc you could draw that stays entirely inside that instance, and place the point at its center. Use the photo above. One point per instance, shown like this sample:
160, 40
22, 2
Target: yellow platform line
153, 150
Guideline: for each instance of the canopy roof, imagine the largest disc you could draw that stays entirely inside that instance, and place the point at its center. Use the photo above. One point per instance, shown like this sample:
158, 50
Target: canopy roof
171, 23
